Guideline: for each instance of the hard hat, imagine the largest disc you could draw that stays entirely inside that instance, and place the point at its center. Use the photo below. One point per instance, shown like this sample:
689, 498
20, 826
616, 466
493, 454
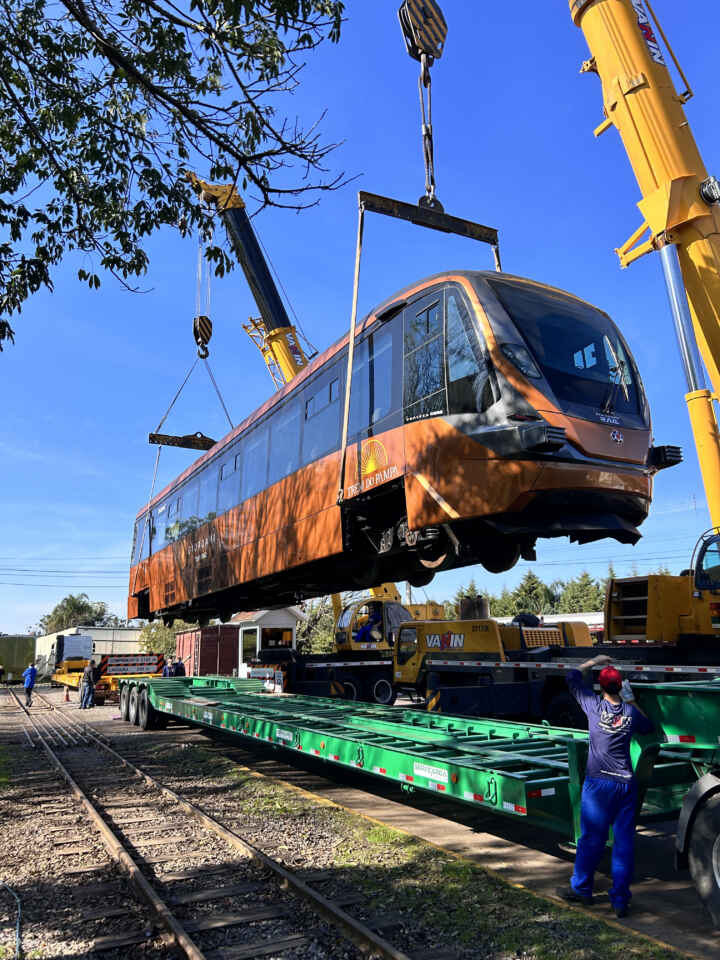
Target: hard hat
610, 679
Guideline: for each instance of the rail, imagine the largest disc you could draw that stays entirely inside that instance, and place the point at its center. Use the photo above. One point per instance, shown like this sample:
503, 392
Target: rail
366, 939
113, 846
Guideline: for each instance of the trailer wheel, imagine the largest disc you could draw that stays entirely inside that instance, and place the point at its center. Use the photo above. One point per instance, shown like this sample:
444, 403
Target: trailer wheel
383, 692
563, 711
352, 688
133, 706
145, 711
704, 856
125, 702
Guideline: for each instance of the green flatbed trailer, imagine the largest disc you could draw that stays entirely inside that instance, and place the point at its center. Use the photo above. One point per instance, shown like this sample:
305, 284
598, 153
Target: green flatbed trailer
530, 771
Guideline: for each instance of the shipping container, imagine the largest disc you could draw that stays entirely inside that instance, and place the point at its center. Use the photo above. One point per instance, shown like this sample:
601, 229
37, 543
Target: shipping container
209, 650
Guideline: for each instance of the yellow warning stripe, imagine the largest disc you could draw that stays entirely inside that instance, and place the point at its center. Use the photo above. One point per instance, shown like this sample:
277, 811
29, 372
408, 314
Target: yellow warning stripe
432, 702
437, 497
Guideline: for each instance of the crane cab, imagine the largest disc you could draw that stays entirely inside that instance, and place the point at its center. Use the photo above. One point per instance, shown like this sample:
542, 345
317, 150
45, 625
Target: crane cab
369, 624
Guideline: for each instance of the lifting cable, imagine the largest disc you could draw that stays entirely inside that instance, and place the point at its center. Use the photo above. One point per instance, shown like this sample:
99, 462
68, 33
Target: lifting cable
202, 332
351, 351
155, 469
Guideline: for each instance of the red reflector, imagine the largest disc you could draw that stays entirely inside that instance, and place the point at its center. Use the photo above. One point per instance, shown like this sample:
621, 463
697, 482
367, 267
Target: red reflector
382, 769
479, 797
686, 738
299, 746
534, 794
334, 756
520, 809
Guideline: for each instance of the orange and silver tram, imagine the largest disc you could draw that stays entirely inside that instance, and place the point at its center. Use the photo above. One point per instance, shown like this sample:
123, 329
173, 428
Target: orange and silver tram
485, 411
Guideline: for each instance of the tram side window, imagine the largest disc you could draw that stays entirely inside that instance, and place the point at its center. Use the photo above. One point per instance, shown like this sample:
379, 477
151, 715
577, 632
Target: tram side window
470, 381
188, 515
172, 524
207, 498
141, 544
371, 392
284, 441
321, 429
229, 486
254, 467
424, 379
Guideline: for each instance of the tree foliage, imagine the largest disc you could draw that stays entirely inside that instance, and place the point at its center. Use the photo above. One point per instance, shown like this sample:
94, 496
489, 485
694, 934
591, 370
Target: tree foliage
106, 104
155, 637
73, 611
316, 634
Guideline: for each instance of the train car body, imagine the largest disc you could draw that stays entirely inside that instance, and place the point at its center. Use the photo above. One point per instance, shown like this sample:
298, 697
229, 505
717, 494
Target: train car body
485, 411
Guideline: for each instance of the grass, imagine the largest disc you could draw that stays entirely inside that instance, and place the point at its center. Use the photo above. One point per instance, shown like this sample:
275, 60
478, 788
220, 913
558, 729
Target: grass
448, 901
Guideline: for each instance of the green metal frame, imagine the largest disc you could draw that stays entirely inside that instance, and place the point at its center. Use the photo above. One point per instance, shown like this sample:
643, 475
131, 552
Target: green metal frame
514, 769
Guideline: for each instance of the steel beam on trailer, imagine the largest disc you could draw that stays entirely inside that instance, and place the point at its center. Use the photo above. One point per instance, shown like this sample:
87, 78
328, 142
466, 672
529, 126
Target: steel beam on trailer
562, 667
515, 769
511, 768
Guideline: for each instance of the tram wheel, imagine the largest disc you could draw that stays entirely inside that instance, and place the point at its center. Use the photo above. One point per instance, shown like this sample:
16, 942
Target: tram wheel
704, 856
383, 692
420, 578
502, 554
124, 702
133, 706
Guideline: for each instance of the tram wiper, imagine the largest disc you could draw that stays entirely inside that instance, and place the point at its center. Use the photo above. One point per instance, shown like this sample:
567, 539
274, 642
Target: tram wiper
618, 374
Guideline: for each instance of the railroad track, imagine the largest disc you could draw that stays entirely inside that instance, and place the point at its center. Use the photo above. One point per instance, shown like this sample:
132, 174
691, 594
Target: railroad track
230, 900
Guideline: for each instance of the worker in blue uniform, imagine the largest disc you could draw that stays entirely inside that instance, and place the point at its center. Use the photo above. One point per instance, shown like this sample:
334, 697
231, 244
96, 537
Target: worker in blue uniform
29, 675
609, 794
371, 630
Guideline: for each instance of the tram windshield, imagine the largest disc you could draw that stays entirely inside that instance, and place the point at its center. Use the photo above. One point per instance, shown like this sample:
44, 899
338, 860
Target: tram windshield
578, 349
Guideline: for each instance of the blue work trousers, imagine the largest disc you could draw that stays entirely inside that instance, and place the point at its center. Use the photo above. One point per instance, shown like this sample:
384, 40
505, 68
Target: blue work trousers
87, 696
605, 804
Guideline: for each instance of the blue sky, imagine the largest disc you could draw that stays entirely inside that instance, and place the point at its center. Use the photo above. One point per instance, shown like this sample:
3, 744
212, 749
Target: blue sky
92, 372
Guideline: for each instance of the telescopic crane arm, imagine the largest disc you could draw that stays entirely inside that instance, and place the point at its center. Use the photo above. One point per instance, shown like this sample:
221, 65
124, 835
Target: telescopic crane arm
273, 333
680, 202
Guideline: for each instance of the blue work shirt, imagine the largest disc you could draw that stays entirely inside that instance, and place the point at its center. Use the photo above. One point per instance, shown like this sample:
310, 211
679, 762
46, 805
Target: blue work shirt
29, 675
611, 727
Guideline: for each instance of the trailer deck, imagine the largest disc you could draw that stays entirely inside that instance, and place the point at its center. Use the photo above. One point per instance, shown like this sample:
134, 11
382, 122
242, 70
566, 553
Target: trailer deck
514, 769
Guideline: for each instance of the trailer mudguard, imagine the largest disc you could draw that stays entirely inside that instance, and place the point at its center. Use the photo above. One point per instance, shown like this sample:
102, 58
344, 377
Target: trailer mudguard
704, 788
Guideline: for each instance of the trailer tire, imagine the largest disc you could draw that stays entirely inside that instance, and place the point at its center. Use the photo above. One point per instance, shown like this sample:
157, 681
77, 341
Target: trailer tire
704, 856
125, 702
563, 711
353, 691
133, 706
383, 692
145, 711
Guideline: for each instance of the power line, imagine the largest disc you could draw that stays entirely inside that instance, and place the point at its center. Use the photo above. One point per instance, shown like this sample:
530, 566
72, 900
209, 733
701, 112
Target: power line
68, 586
67, 572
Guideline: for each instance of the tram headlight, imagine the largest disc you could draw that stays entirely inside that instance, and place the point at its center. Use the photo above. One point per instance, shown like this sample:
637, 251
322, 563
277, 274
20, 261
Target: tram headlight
520, 357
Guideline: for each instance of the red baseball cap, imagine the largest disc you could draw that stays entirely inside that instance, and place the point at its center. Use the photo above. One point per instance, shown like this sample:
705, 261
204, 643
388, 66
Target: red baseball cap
609, 676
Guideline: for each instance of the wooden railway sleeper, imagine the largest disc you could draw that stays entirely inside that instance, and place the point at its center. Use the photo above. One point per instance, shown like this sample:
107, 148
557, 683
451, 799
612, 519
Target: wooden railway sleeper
367, 940
122, 857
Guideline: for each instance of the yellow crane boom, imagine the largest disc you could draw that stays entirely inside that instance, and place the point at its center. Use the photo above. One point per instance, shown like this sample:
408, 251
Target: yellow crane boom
680, 202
